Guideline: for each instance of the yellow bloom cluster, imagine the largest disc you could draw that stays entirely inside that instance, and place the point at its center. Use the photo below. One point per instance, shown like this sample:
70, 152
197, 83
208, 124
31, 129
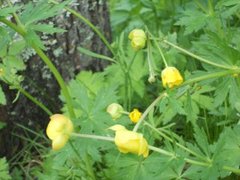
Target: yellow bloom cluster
138, 39
171, 77
129, 141
58, 130
135, 115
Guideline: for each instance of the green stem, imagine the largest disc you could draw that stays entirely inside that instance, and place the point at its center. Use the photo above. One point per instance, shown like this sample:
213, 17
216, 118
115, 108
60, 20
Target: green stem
89, 167
105, 138
48, 62
210, 76
92, 26
147, 111
126, 103
177, 144
18, 29
125, 112
128, 82
58, 78
197, 162
197, 57
201, 6
149, 59
161, 151
131, 62
35, 101
231, 169
160, 51
15, 15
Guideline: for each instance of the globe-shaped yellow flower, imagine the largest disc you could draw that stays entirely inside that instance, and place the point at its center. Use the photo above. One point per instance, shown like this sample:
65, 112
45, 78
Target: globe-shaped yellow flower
115, 110
135, 115
129, 141
138, 39
171, 77
58, 130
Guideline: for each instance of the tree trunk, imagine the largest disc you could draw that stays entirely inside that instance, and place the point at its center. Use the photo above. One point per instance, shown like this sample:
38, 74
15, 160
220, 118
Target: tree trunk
62, 50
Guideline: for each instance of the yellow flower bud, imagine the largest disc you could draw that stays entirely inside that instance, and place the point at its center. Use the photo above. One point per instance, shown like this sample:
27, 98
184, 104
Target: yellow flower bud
129, 141
138, 39
115, 110
171, 77
58, 130
135, 115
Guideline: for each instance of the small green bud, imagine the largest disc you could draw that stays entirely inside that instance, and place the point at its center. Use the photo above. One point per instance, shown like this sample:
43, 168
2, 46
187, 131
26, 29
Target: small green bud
115, 110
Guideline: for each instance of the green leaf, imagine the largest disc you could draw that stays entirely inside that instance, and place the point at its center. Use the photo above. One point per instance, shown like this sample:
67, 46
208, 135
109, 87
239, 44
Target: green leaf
32, 38
176, 105
202, 140
191, 109
93, 54
234, 93
203, 100
4, 171
2, 97
221, 92
2, 125
4, 39
193, 20
16, 47
14, 62
34, 12
8, 11
228, 8
46, 28
133, 167
93, 82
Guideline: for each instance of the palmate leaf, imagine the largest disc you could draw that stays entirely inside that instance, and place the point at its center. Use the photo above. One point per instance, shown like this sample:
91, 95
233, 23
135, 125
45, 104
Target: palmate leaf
46, 28
228, 8
4, 38
231, 151
8, 11
225, 152
191, 109
64, 164
133, 167
4, 172
91, 96
202, 141
92, 82
192, 20
32, 38
217, 49
40, 11
228, 87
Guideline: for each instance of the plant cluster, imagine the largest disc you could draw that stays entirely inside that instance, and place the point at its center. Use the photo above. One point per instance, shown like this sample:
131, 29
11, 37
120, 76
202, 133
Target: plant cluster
165, 108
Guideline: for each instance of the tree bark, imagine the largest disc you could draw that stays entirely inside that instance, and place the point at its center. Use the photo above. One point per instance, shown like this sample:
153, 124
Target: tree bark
62, 50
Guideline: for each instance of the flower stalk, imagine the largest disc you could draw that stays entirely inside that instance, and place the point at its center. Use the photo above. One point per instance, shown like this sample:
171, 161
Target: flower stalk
196, 56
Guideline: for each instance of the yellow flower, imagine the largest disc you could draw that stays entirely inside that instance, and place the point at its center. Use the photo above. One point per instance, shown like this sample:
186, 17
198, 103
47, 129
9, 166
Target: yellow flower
129, 141
171, 77
138, 39
135, 115
115, 110
58, 130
